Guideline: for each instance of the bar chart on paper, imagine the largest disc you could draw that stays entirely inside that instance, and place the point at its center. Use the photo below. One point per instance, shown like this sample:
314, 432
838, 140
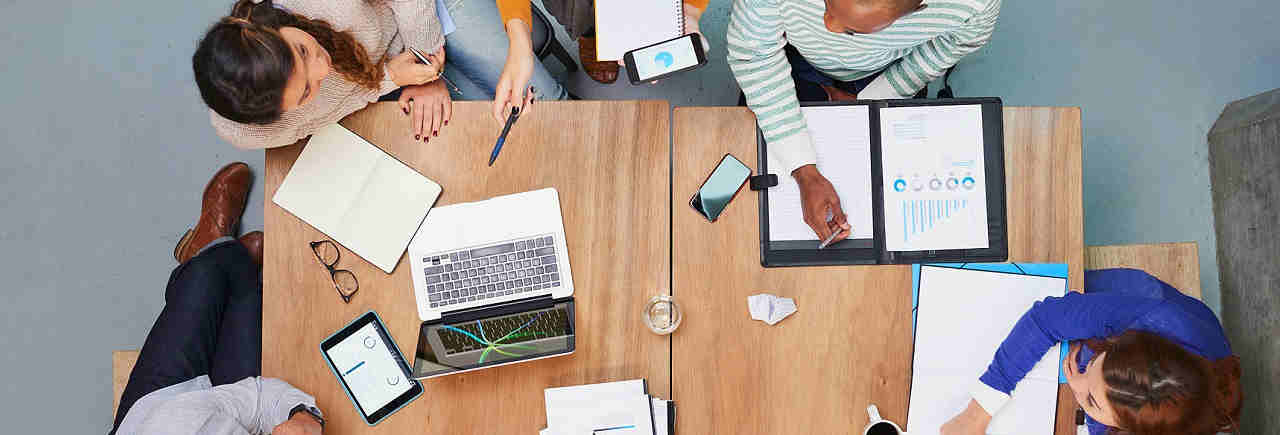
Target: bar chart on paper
934, 191
921, 216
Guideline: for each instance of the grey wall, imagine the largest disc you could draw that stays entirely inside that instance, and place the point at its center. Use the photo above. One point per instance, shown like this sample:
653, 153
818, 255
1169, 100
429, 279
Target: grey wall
106, 147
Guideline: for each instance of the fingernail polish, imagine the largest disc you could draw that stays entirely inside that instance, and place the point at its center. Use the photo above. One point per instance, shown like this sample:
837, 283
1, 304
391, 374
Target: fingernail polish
417, 137
446, 123
435, 133
406, 111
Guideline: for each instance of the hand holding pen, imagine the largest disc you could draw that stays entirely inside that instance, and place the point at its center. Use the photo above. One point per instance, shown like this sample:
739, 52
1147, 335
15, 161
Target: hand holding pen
439, 71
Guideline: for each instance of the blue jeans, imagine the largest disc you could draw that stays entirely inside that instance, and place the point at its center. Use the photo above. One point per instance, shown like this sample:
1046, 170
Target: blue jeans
477, 51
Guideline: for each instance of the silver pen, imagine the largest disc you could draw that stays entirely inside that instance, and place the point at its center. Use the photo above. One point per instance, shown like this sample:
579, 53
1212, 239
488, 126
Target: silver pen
423, 59
826, 242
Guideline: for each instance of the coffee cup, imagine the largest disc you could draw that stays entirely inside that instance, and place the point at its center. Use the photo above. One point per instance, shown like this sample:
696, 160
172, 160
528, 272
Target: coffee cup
879, 426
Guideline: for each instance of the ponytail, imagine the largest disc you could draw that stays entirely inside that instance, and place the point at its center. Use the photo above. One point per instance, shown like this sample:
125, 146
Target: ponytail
1227, 397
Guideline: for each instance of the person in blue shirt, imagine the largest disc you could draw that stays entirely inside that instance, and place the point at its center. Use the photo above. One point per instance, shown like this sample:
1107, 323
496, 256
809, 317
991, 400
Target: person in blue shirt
1144, 359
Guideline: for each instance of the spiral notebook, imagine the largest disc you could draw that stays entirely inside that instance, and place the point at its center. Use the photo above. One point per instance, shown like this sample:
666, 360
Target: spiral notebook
625, 25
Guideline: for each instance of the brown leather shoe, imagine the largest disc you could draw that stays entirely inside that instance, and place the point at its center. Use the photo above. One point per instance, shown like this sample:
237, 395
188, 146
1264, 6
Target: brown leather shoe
253, 242
223, 203
604, 72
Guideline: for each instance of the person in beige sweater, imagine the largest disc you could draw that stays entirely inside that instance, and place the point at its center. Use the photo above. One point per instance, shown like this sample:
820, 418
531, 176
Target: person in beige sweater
273, 72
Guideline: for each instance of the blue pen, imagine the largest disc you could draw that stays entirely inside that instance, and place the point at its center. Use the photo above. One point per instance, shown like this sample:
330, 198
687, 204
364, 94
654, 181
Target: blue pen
502, 138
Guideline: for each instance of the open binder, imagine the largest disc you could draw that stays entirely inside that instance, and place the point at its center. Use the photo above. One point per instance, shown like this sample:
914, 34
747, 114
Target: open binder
937, 185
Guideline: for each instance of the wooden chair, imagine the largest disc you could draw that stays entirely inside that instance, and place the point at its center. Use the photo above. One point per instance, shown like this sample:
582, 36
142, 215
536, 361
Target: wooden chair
1175, 263
122, 362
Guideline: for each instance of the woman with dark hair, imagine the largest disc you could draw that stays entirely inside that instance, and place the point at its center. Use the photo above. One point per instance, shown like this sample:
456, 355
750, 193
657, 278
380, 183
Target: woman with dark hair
273, 72
1144, 359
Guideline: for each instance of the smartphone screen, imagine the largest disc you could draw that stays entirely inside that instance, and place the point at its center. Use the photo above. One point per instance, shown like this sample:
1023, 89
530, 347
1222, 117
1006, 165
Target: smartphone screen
665, 57
720, 187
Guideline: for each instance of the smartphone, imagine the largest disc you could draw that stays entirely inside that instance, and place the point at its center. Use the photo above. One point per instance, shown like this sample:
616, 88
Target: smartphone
665, 58
720, 187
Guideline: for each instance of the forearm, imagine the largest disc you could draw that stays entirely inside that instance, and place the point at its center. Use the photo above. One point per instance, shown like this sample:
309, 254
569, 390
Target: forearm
760, 66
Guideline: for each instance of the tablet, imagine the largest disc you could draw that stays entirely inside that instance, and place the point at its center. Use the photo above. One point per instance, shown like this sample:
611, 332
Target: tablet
370, 368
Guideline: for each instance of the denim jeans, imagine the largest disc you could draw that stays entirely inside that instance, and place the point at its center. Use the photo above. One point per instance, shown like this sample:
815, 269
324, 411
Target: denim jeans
211, 324
476, 52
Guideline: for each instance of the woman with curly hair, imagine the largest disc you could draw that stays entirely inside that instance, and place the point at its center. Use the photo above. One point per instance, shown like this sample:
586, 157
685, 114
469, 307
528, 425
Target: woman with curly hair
273, 72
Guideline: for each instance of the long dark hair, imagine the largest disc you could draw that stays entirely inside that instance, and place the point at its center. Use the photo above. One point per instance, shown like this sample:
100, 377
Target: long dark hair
242, 64
1157, 387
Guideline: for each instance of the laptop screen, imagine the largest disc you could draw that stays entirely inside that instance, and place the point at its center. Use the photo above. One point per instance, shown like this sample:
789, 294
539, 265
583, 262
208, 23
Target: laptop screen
466, 342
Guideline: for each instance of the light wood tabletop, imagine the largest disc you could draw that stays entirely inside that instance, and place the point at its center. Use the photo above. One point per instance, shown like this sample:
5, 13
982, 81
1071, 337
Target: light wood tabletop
850, 343
610, 163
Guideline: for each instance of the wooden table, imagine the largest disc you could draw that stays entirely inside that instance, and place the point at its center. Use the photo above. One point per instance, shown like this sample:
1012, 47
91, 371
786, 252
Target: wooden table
610, 163
850, 343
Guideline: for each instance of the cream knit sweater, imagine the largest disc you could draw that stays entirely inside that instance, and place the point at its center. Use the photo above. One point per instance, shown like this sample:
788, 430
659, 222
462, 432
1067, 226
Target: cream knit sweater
383, 27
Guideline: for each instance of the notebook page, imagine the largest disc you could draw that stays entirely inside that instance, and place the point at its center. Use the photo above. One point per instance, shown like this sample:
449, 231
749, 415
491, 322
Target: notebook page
625, 25
326, 180
935, 193
963, 317
842, 138
392, 204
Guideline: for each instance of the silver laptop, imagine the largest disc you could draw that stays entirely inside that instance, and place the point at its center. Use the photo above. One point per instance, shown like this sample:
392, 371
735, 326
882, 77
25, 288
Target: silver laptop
493, 284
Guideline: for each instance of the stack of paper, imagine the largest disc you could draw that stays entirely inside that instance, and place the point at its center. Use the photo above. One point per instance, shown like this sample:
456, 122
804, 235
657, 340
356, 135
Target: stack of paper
614, 408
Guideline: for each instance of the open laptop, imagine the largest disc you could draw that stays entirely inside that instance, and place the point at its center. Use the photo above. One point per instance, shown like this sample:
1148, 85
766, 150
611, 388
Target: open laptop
492, 283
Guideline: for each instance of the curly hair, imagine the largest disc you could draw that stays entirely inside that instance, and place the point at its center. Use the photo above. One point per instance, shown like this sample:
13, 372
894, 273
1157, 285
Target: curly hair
243, 63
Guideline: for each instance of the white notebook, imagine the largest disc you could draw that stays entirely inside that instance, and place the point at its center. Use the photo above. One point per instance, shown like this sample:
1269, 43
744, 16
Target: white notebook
358, 195
625, 25
962, 318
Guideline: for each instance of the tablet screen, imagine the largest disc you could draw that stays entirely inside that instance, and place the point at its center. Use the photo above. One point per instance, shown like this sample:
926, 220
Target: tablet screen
368, 366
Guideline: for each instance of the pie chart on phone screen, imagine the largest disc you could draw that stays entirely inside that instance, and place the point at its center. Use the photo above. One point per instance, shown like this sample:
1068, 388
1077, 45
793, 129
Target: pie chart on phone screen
664, 58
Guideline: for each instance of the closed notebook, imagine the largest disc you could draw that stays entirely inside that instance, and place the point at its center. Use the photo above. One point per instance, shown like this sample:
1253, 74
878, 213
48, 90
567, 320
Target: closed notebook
625, 25
358, 195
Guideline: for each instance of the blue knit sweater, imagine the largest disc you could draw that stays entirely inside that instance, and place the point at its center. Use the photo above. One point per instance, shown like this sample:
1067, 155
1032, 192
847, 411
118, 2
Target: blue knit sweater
1115, 301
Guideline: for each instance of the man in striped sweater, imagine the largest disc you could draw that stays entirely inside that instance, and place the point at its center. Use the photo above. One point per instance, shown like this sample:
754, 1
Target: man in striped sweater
786, 51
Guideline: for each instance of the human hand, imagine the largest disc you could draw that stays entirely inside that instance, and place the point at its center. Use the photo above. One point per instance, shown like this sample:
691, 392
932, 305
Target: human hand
818, 199
972, 421
691, 17
430, 108
513, 85
300, 424
406, 71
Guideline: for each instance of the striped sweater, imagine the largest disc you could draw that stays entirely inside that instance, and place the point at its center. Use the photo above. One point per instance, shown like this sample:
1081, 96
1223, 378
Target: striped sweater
915, 50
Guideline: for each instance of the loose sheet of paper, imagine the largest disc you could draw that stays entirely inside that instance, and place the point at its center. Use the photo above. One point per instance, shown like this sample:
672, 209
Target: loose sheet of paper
842, 138
962, 318
935, 190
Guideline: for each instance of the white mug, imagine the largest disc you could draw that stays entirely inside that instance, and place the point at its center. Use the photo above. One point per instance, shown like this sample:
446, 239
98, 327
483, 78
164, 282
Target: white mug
874, 419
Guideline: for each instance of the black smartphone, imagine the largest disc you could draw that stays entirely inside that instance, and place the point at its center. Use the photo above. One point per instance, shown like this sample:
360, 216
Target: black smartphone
720, 187
665, 58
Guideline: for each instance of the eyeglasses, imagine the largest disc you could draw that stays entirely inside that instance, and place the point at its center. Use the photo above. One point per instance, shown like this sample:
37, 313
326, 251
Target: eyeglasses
343, 280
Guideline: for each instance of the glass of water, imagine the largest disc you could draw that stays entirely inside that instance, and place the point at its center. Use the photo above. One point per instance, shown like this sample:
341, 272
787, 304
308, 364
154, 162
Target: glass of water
662, 315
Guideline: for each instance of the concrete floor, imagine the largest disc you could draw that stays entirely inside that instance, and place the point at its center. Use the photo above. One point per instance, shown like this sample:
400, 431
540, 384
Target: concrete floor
107, 145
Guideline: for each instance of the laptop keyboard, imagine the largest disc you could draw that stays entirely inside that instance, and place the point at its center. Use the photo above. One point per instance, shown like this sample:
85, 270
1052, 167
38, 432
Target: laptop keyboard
503, 331
501, 269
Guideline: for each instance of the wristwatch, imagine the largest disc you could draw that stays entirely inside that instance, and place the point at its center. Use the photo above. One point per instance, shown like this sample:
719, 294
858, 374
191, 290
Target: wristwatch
310, 410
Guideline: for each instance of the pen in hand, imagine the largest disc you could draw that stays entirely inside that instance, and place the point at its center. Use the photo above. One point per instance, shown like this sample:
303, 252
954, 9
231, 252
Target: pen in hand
423, 58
